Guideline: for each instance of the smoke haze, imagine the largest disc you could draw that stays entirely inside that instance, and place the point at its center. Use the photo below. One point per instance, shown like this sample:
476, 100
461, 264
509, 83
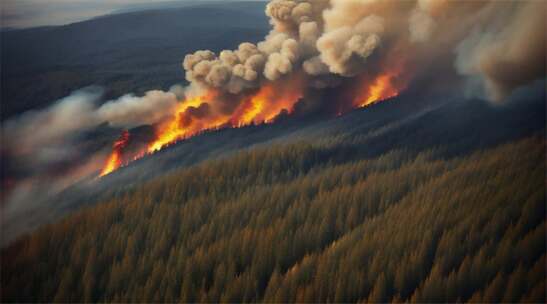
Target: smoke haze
48, 150
367, 50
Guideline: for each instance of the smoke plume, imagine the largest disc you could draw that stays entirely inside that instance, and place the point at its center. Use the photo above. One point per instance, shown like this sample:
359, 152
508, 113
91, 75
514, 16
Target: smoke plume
500, 42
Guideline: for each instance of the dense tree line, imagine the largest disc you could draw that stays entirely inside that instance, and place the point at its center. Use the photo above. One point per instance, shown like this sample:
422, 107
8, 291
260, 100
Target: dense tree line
304, 223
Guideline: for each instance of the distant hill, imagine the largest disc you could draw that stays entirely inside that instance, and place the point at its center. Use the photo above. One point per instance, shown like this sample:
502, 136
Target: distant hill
127, 52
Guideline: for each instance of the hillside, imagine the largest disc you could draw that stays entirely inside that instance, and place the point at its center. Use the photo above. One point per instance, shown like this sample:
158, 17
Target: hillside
423, 201
455, 126
280, 151
298, 223
125, 52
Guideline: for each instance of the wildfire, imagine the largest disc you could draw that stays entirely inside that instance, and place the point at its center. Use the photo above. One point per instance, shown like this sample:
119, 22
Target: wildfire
382, 88
261, 107
198, 114
251, 110
173, 130
265, 106
115, 159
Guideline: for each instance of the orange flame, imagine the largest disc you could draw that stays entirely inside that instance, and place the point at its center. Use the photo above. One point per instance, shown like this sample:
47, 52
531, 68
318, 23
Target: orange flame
114, 161
382, 88
263, 107
172, 130
250, 110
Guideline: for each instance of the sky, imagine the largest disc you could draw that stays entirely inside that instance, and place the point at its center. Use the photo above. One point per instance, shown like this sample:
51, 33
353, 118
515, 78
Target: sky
31, 13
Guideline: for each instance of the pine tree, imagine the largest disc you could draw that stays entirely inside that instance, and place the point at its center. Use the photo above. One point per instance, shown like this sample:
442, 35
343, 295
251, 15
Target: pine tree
379, 292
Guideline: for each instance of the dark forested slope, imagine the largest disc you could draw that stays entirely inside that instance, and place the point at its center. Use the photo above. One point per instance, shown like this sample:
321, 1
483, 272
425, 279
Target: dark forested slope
454, 126
304, 222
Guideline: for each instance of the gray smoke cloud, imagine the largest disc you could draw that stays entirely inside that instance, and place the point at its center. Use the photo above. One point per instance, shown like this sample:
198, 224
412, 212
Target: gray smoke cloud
498, 44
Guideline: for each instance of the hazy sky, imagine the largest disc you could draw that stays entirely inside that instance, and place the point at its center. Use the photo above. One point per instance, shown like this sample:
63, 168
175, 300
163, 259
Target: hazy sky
29, 13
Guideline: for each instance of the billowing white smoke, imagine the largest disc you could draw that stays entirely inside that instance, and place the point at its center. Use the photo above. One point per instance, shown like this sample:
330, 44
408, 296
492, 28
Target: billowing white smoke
332, 39
54, 126
296, 28
41, 144
344, 49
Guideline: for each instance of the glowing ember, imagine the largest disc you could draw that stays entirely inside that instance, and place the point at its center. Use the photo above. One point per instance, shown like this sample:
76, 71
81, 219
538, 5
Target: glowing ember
115, 159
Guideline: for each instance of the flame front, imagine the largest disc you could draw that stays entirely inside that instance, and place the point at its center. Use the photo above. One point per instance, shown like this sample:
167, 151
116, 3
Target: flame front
262, 107
381, 88
265, 106
172, 130
198, 114
250, 110
114, 161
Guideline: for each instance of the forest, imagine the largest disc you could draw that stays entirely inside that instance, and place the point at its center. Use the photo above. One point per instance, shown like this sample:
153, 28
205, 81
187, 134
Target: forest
304, 222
